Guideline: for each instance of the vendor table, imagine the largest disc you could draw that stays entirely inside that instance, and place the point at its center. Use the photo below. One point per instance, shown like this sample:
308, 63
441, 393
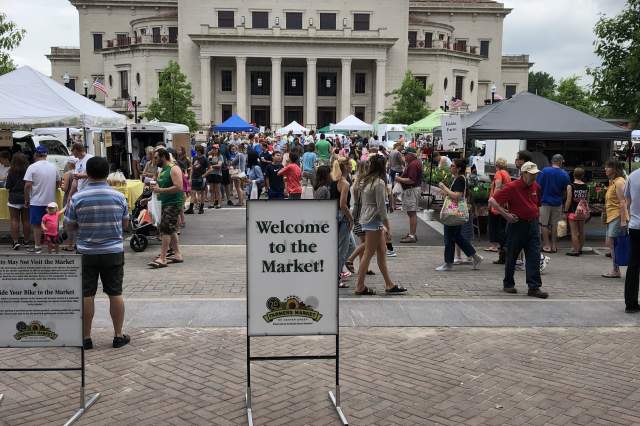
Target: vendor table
4, 199
131, 191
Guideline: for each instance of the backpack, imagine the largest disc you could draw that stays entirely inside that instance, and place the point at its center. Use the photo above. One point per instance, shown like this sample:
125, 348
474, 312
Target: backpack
582, 210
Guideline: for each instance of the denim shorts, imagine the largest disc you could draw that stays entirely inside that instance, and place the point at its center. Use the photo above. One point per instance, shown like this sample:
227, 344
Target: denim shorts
613, 228
375, 225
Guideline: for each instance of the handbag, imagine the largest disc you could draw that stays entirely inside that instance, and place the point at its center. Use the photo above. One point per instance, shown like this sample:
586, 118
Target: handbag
455, 212
622, 249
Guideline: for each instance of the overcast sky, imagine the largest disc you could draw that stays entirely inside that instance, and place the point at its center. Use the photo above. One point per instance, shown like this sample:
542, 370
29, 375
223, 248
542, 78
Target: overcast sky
558, 34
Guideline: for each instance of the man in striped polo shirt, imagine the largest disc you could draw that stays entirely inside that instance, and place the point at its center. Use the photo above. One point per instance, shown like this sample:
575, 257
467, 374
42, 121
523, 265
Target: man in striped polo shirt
100, 215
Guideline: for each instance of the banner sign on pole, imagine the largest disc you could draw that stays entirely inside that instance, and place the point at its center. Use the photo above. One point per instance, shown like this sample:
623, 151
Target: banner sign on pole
40, 301
452, 133
292, 268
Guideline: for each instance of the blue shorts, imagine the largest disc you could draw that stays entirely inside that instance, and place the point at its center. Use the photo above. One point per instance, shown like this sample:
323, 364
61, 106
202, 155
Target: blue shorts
375, 225
36, 213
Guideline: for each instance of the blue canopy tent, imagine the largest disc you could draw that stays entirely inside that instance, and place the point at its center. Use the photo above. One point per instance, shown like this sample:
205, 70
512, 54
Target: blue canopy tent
234, 124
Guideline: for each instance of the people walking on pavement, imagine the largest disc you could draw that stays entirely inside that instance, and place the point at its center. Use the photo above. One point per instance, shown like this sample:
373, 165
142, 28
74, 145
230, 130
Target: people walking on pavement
553, 183
632, 196
322, 183
199, 167
169, 191
274, 183
616, 215
497, 224
18, 213
523, 233
373, 219
40, 184
100, 215
577, 209
254, 174
292, 174
214, 176
411, 181
238, 159
340, 190
453, 234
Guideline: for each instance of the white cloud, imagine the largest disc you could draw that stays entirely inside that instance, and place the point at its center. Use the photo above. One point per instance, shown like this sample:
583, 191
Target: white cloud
558, 34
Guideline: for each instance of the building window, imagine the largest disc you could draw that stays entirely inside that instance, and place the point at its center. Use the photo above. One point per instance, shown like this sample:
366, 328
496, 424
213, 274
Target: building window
428, 40
446, 83
122, 39
226, 19
361, 21
259, 19
484, 48
294, 84
510, 90
143, 31
110, 81
413, 38
71, 84
422, 79
226, 77
227, 111
359, 112
155, 34
441, 37
173, 34
294, 20
327, 82
460, 45
472, 86
124, 84
327, 21
97, 41
459, 86
361, 83
260, 83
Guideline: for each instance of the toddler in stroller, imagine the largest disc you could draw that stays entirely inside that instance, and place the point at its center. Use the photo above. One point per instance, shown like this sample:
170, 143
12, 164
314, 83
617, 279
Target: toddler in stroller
142, 224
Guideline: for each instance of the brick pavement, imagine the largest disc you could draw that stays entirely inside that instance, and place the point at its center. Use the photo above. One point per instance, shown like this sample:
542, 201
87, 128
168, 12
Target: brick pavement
390, 376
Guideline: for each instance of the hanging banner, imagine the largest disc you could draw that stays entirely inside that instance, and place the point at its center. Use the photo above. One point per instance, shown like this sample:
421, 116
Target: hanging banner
292, 267
452, 133
40, 301
107, 139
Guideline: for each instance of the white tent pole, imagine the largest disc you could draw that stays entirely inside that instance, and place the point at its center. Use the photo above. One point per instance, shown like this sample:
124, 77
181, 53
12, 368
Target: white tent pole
129, 151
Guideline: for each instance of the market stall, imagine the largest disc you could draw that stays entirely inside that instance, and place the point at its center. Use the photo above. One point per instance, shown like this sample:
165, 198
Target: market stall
351, 124
294, 127
234, 124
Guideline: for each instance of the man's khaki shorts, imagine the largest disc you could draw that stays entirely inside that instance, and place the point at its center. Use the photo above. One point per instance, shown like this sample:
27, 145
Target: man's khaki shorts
550, 215
411, 199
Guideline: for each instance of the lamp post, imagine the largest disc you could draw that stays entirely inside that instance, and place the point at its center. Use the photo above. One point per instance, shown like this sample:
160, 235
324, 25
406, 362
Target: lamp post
85, 85
66, 79
445, 104
493, 93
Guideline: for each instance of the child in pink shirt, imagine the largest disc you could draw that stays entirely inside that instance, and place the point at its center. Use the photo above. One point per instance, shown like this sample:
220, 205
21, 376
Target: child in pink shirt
50, 227
292, 175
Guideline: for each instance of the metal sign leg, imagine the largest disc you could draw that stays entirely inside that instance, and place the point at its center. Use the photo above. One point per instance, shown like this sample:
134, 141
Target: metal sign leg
1, 397
84, 406
335, 399
247, 397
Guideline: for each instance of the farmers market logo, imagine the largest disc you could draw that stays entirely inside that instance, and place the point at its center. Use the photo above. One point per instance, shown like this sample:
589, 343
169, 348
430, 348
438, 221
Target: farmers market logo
292, 306
35, 329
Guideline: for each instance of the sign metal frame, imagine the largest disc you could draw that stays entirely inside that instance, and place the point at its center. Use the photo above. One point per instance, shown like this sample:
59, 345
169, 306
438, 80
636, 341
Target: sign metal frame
334, 397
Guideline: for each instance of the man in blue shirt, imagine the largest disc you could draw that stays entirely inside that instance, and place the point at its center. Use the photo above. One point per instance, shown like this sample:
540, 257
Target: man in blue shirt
553, 181
100, 214
632, 194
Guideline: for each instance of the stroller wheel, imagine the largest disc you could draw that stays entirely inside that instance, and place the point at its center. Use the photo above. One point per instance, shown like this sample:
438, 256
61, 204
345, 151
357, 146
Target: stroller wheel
139, 243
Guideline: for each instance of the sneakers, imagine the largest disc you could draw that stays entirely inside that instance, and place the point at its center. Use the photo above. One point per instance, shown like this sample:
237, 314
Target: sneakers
34, 250
510, 290
229, 203
16, 245
544, 261
632, 310
460, 261
477, 260
119, 342
345, 275
391, 253
409, 239
201, 209
536, 292
444, 267
189, 210
87, 343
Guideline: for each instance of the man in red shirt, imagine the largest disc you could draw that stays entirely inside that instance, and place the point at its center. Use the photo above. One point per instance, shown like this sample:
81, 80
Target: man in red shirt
411, 181
523, 233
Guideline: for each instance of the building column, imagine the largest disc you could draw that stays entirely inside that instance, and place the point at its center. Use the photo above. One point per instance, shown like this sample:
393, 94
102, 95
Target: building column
241, 88
312, 92
276, 93
381, 67
205, 94
345, 93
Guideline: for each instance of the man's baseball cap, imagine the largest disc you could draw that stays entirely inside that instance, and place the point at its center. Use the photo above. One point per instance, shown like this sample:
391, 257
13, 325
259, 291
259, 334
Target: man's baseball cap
530, 168
52, 205
557, 158
41, 149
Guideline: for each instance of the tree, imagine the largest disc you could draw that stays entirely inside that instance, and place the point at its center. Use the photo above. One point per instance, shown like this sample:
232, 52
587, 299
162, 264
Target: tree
10, 38
409, 103
616, 82
570, 93
174, 98
542, 84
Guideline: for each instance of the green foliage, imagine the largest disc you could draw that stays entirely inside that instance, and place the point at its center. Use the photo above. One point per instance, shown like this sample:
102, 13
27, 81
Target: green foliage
542, 84
174, 98
569, 92
10, 38
616, 82
409, 103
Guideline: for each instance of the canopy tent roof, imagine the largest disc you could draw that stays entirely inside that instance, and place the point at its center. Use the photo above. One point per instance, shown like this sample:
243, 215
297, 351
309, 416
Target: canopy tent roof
294, 127
170, 127
327, 129
30, 98
427, 124
530, 117
352, 123
635, 134
234, 124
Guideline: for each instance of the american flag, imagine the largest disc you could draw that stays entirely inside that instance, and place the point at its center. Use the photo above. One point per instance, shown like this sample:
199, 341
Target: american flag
130, 107
98, 86
457, 103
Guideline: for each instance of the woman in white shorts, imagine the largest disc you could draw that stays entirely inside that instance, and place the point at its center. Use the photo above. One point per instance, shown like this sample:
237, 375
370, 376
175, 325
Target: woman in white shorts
17, 211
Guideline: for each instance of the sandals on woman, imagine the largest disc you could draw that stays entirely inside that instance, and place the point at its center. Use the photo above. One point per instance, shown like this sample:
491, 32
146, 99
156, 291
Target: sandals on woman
349, 265
610, 275
366, 292
396, 289
157, 265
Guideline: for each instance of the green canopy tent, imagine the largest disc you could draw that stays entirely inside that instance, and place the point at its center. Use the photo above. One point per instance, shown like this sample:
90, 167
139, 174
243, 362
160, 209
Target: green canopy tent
327, 129
427, 124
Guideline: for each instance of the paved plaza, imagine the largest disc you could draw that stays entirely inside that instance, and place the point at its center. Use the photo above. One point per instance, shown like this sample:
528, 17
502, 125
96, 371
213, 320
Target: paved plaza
455, 350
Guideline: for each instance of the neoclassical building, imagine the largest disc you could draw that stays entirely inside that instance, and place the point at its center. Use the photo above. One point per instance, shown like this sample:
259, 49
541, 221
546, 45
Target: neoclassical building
272, 62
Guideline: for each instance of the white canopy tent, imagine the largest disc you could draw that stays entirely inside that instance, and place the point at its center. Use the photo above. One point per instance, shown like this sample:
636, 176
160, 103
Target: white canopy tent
29, 98
294, 127
352, 124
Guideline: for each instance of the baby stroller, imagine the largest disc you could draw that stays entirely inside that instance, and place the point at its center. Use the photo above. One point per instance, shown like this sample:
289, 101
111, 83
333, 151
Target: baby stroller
144, 230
